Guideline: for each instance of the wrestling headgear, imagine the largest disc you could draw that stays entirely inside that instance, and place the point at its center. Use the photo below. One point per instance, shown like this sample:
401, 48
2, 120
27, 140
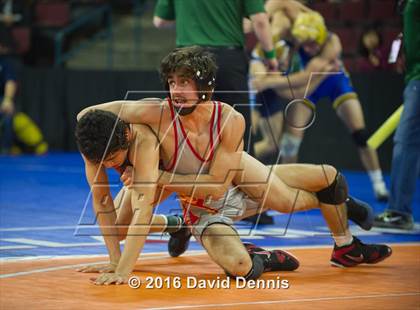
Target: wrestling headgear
310, 26
195, 63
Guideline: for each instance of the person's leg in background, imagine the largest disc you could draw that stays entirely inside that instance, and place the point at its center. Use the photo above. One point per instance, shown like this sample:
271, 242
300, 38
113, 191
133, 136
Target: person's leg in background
6, 133
405, 168
298, 116
27, 135
232, 88
232, 85
270, 124
349, 110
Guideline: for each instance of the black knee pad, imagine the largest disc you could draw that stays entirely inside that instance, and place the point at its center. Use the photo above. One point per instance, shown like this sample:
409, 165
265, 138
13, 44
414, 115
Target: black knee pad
257, 268
336, 193
360, 137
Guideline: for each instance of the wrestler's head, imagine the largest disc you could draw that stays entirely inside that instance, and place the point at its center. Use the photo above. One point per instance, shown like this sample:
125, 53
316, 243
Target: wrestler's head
102, 137
310, 32
188, 74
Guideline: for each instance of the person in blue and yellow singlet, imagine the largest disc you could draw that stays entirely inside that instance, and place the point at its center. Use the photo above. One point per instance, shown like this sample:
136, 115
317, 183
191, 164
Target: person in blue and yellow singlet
309, 39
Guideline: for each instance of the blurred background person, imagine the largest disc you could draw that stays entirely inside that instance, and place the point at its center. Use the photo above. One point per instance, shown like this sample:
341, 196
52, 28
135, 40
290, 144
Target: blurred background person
405, 168
309, 38
18, 133
373, 52
8, 87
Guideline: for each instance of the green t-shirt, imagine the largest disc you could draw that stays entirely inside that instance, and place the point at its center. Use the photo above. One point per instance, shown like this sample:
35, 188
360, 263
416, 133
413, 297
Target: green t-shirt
208, 22
412, 39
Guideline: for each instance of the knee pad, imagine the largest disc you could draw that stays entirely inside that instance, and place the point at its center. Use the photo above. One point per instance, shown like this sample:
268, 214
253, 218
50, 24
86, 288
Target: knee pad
289, 145
29, 134
336, 193
257, 268
360, 137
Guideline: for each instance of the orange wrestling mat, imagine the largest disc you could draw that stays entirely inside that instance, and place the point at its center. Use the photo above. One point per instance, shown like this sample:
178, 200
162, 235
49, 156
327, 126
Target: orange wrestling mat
54, 284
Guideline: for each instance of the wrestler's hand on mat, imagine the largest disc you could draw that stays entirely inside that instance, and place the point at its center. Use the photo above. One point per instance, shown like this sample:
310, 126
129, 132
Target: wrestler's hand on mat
98, 268
127, 176
110, 278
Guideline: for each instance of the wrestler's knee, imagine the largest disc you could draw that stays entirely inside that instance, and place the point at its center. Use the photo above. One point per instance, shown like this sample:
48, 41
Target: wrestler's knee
222, 243
329, 172
238, 266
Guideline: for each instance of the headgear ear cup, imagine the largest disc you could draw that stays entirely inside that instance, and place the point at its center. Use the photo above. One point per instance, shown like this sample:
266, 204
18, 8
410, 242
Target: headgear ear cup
310, 26
28, 133
205, 84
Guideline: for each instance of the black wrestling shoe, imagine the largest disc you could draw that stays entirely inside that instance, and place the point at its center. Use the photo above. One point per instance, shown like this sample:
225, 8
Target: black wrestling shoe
358, 253
179, 241
359, 212
275, 260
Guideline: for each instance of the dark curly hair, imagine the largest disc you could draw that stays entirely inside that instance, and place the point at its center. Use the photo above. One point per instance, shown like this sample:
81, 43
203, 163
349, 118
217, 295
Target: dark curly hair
194, 62
95, 130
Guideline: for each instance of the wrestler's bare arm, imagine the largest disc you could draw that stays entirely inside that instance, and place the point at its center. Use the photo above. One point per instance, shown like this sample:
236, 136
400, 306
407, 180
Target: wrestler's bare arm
224, 166
146, 111
282, 14
299, 81
332, 50
104, 208
145, 176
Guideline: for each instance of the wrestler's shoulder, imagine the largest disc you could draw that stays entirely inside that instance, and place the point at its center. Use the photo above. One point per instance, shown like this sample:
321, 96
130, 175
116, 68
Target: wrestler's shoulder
229, 111
231, 116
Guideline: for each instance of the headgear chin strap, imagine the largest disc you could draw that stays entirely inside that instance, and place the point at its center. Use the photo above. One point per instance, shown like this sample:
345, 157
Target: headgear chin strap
185, 111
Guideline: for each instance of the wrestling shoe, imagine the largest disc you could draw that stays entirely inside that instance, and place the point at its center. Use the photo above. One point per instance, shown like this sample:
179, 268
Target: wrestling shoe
358, 253
380, 191
275, 260
390, 219
360, 213
179, 241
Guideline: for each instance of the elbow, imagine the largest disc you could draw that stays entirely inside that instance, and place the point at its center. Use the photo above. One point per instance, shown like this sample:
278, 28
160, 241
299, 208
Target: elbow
260, 21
